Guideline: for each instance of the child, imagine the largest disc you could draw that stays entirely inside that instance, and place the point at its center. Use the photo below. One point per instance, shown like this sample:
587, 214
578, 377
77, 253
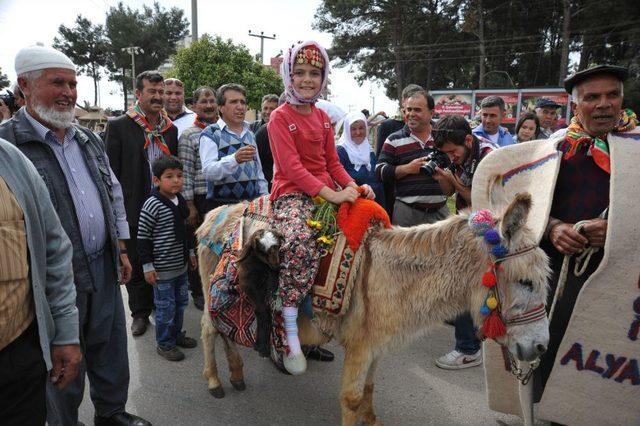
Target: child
306, 164
164, 251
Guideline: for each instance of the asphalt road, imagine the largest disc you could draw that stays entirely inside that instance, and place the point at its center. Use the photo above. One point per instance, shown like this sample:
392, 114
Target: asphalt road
410, 389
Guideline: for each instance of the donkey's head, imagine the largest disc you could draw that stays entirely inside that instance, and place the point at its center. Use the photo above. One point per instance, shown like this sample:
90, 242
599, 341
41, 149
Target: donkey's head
522, 275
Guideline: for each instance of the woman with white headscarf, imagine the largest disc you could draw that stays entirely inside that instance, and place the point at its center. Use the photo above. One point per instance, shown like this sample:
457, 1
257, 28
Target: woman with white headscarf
356, 155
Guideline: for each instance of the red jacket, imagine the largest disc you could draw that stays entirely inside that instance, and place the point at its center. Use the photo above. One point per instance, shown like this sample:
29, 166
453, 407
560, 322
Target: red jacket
304, 152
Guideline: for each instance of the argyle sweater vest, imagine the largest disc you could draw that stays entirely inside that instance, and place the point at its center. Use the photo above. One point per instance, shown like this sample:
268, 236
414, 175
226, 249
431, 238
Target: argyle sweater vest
243, 183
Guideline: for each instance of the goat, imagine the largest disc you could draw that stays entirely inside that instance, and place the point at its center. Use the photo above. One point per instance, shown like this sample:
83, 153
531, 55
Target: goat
258, 268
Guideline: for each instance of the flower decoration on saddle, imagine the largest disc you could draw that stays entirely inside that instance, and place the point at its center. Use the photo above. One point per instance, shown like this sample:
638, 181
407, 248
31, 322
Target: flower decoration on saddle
324, 223
482, 223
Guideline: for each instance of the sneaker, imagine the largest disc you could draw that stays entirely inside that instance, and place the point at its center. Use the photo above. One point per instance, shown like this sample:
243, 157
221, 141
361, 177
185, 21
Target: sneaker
455, 360
187, 342
173, 354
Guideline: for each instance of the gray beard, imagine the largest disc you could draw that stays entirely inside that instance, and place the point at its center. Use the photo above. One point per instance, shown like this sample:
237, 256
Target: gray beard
57, 119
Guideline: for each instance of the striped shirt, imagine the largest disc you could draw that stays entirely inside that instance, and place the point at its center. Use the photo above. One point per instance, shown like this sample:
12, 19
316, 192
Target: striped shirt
16, 299
82, 188
189, 154
401, 148
159, 246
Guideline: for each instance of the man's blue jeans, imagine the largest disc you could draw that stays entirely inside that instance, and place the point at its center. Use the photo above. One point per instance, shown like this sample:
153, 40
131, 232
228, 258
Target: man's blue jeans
171, 298
466, 340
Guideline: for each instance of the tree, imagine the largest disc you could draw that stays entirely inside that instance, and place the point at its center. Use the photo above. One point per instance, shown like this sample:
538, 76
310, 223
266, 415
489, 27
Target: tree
155, 30
395, 41
214, 62
441, 44
4, 80
86, 45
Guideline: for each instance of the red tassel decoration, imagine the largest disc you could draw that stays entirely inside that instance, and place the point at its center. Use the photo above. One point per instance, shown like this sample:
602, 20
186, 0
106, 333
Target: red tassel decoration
489, 279
493, 326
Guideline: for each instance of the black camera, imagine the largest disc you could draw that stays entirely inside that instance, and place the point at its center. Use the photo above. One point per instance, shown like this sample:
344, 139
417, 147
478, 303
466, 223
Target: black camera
10, 101
435, 159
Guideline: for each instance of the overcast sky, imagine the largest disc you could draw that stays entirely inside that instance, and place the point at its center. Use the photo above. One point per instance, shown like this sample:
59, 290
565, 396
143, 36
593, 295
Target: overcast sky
26, 22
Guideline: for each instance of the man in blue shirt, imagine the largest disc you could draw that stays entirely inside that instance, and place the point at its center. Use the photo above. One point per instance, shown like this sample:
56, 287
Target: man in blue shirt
492, 111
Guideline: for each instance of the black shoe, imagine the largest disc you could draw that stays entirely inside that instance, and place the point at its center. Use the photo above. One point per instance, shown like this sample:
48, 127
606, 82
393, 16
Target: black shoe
139, 326
187, 342
120, 419
319, 354
173, 354
198, 301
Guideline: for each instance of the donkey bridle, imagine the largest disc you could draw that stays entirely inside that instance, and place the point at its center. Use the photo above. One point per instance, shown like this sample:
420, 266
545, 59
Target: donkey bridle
533, 315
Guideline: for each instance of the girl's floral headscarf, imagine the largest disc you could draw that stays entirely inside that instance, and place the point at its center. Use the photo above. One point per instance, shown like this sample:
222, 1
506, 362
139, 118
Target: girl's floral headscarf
308, 52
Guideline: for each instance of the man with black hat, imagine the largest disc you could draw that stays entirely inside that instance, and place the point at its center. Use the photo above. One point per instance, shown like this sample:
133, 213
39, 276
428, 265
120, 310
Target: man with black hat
582, 189
546, 110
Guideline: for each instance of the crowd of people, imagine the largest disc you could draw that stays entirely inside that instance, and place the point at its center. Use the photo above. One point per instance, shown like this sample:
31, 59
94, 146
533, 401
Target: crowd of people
85, 212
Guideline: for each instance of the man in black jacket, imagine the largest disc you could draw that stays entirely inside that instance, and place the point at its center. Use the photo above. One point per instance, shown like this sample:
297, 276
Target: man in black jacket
134, 140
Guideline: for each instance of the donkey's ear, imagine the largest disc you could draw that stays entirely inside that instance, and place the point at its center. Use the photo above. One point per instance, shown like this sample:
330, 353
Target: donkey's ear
515, 217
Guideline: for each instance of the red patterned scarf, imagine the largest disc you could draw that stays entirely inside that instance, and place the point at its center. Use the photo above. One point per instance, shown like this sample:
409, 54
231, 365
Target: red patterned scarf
152, 135
598, 148
198, 122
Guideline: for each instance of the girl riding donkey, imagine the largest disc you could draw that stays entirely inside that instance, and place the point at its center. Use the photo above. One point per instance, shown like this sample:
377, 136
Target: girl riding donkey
306, 165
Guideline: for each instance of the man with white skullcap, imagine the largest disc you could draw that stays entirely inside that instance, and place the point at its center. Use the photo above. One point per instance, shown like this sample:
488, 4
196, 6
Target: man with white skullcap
88, 199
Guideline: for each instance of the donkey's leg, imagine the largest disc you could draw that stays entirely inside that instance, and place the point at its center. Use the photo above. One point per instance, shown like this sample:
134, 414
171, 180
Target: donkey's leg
357, 361
209, 334
366, 409
235, 364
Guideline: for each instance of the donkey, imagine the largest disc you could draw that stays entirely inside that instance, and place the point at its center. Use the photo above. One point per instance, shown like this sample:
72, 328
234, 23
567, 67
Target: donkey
411, 280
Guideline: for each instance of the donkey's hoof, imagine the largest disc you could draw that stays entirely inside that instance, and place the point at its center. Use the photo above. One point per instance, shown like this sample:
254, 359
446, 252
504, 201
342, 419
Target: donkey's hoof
238, 385
217, 392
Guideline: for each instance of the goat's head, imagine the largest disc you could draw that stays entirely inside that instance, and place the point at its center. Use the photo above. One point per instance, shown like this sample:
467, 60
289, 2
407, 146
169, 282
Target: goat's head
265, 245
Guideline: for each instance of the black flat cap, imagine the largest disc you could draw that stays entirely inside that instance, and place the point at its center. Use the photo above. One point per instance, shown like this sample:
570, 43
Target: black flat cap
620, 73
546, 103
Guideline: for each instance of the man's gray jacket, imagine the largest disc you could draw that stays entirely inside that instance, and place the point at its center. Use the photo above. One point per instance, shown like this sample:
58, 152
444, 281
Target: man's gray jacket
50, 253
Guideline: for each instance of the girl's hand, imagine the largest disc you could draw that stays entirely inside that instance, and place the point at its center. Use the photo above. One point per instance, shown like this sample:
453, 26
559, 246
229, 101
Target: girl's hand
348, 194
368, 192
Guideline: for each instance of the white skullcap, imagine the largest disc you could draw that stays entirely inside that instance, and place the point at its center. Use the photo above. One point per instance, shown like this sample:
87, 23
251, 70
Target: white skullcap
35, 58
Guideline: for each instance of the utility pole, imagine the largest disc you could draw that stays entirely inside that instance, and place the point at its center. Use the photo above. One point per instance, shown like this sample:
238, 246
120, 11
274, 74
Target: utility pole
262, 37
194, 20
133, 50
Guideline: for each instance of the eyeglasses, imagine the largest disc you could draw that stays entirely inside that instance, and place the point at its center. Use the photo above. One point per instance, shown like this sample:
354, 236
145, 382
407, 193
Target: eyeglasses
174, 81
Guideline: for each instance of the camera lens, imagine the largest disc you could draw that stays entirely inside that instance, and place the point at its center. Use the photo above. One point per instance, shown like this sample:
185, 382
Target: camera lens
429, 168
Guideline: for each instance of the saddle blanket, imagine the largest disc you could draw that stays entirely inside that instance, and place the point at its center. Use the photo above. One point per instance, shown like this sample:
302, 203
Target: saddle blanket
231, 309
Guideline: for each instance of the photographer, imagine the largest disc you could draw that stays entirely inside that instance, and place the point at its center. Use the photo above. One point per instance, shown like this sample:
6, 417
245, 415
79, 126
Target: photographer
465, 150
10, 103
419, 198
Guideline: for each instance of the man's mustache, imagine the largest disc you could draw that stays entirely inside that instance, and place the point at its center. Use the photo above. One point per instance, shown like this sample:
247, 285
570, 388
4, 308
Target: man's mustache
155, 101
210, 110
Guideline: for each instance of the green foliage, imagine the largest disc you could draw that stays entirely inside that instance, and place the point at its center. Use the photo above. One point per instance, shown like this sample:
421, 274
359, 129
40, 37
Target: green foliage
86, 45
154, 29
214, 62
4, 80
435, 43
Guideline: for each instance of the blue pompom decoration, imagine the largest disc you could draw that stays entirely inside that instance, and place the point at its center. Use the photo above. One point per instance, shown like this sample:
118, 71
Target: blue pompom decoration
499, 251
485, 310
492, 237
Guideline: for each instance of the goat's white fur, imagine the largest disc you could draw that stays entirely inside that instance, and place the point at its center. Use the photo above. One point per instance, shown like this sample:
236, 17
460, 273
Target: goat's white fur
268, 240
